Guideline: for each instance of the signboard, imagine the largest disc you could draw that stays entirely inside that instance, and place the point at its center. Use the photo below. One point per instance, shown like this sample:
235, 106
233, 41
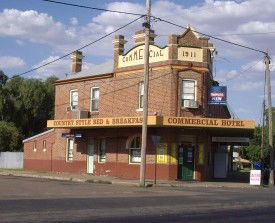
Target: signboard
135, 56
100, 122
231, 139
71, 135
201, 154
174, 154
162, 153
208, 122
255, 177
152, 121
156, 140
217, 95
190, 54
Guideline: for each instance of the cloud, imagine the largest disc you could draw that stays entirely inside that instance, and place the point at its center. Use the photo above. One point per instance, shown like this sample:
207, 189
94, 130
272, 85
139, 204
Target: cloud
10, 62
60, 69
35, 27
248, 86
74, 21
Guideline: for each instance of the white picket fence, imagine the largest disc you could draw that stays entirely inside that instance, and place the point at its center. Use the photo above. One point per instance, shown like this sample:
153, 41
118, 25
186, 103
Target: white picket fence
11, 160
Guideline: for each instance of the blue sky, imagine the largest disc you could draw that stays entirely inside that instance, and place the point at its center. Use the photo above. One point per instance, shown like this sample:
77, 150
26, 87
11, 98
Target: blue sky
33, 32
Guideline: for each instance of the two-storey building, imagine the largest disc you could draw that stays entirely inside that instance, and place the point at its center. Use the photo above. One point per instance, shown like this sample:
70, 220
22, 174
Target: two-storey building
97, 124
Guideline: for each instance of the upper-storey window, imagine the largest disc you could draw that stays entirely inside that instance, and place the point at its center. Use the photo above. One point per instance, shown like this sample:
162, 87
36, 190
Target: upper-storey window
140, 95
74, 99
188, 91
94, 99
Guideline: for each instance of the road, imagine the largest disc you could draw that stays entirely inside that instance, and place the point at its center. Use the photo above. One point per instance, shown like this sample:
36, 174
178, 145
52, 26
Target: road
42, 200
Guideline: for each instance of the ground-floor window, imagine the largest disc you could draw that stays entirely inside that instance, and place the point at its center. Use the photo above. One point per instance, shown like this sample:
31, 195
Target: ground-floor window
70, 147
102, 150
134, 150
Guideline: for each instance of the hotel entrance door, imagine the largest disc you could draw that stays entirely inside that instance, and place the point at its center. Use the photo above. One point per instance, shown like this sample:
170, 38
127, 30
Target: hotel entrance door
186, 162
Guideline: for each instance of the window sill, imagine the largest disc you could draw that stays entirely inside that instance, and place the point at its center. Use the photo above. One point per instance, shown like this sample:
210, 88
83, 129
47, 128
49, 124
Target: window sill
134, 163
139, 110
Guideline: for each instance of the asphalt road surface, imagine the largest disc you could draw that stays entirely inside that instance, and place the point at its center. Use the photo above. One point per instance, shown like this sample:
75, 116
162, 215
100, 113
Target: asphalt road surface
41, 200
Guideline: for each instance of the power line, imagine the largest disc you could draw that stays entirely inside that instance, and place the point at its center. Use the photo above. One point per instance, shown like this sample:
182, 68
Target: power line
93, 42
93, 8
213, 37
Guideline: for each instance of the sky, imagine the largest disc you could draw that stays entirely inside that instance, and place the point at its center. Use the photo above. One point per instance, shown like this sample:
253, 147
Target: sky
34, 32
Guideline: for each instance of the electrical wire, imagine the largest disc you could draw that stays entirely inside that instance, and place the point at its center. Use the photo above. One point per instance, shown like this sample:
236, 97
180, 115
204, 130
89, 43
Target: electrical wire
88, 44
93, 8
213, 37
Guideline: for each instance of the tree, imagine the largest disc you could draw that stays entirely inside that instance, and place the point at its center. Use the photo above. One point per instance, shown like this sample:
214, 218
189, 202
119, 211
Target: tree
25, 107
10, 137
253, 151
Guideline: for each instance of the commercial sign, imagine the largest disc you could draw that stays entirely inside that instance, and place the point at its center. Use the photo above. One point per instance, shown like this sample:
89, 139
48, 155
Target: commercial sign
190, 54
152, 121
136, 56
162, 150
208, 122
100, 122
217, 95
71, 135
255, 177
230, 139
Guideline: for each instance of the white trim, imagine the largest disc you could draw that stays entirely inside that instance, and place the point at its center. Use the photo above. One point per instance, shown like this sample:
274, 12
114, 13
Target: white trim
91, 98
139, 94
40, 134
196, 89
103, 143
73, 90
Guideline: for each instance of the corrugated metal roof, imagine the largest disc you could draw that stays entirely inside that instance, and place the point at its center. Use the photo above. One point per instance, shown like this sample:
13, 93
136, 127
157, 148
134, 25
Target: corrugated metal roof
103, 68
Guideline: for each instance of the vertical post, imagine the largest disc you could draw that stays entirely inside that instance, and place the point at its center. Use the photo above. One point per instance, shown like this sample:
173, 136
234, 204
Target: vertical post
146, 25
263, 132
270, 133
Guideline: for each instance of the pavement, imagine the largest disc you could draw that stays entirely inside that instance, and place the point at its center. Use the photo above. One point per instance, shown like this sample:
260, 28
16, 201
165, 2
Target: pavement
117, 181
25, 199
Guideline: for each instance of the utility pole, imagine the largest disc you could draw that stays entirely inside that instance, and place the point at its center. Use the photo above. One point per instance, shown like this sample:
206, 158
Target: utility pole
263, 132
146, 25
270, 132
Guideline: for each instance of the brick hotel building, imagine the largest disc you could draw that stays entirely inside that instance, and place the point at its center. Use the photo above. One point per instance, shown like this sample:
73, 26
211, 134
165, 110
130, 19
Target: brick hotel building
98, 115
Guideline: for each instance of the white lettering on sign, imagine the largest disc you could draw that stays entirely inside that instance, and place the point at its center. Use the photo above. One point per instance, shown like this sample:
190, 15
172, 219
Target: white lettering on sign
190, 54
255, 177
136, 56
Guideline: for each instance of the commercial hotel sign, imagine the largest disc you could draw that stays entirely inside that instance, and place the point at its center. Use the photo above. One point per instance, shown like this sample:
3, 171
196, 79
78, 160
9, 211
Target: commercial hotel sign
135, 56
157, 121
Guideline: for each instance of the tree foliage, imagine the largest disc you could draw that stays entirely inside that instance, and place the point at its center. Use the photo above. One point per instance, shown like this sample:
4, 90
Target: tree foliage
253, 151
27, 104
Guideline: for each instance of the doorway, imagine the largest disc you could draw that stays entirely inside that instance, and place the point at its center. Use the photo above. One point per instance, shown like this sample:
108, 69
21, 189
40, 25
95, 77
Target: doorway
186, 162
90, 157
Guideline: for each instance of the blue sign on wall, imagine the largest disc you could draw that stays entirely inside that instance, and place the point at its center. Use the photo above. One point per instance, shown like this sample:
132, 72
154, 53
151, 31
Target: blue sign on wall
71, 135
217, 95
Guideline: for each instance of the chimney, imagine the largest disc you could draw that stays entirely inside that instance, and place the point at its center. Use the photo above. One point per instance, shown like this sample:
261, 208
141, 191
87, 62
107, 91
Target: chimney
139, 37
76, 61
119, 43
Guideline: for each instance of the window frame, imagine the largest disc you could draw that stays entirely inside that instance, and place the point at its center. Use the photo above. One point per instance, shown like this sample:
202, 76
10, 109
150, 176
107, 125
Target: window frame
131, 149
44, 145
94, 99
71, 91
195, 91
35, 146
140, 96
69, 159
101, 142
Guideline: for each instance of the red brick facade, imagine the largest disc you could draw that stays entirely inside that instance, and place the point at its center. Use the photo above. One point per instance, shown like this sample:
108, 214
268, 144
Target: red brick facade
119, 93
